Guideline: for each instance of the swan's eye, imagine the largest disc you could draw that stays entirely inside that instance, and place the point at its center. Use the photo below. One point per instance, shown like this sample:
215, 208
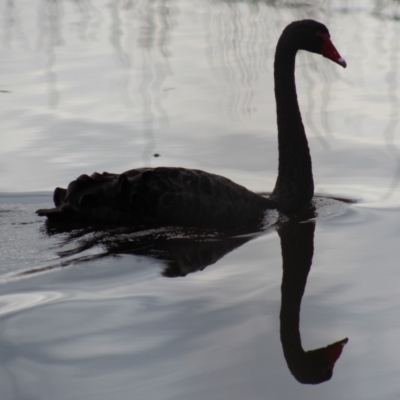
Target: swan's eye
324, 35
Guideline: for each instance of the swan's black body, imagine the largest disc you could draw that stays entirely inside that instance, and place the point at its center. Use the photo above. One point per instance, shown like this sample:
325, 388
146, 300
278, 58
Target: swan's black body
177, 196
163, 196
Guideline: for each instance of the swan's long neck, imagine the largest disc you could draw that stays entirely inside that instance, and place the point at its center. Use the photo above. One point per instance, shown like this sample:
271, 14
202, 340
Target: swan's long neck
294, 186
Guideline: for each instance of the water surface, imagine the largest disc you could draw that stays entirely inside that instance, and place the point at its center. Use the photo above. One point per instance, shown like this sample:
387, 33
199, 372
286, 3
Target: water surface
94, 86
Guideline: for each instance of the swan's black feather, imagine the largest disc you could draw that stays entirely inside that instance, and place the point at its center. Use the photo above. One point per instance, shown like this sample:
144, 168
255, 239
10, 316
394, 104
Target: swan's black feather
163, 196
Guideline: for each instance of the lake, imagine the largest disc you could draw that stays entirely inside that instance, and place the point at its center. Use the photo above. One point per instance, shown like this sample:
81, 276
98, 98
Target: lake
173, 313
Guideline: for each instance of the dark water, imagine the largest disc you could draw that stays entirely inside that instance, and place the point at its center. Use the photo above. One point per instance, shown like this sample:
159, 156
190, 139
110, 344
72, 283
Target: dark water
178, 314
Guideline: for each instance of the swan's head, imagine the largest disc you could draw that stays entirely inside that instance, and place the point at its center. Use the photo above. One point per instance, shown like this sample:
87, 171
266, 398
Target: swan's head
316, 366
313, 36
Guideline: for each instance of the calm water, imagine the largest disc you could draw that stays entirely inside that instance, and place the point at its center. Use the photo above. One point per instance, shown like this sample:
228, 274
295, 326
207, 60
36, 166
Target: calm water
172, 314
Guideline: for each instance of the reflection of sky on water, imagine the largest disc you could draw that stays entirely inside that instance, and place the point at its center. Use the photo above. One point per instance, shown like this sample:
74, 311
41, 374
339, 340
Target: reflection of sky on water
120, 322
115, 325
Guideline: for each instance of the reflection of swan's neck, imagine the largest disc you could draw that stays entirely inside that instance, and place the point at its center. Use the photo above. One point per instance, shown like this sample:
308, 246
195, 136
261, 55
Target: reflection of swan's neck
297, 253
313, 366
294, 186
290, 328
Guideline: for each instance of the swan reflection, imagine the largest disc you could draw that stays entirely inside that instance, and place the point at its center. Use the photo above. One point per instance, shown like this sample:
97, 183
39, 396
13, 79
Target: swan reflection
185, 251
314, 366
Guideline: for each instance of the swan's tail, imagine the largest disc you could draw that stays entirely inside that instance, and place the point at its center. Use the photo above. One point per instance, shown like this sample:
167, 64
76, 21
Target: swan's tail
62, 212
59, 214
99, 197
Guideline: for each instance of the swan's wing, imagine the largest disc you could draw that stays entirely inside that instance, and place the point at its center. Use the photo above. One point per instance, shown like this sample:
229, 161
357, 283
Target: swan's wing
167, 196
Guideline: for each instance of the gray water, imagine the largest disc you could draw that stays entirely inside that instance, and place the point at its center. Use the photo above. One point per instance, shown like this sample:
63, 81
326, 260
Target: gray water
176, 314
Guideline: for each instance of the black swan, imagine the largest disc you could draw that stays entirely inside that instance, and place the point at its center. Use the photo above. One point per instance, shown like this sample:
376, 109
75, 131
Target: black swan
183, 197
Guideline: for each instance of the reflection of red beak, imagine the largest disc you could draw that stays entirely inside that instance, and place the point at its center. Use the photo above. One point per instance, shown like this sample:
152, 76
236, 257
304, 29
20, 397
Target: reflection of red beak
329, 51
335, 350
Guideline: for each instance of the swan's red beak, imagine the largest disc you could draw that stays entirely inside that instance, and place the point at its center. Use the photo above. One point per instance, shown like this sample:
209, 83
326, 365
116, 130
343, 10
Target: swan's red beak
329, 51
334, 350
